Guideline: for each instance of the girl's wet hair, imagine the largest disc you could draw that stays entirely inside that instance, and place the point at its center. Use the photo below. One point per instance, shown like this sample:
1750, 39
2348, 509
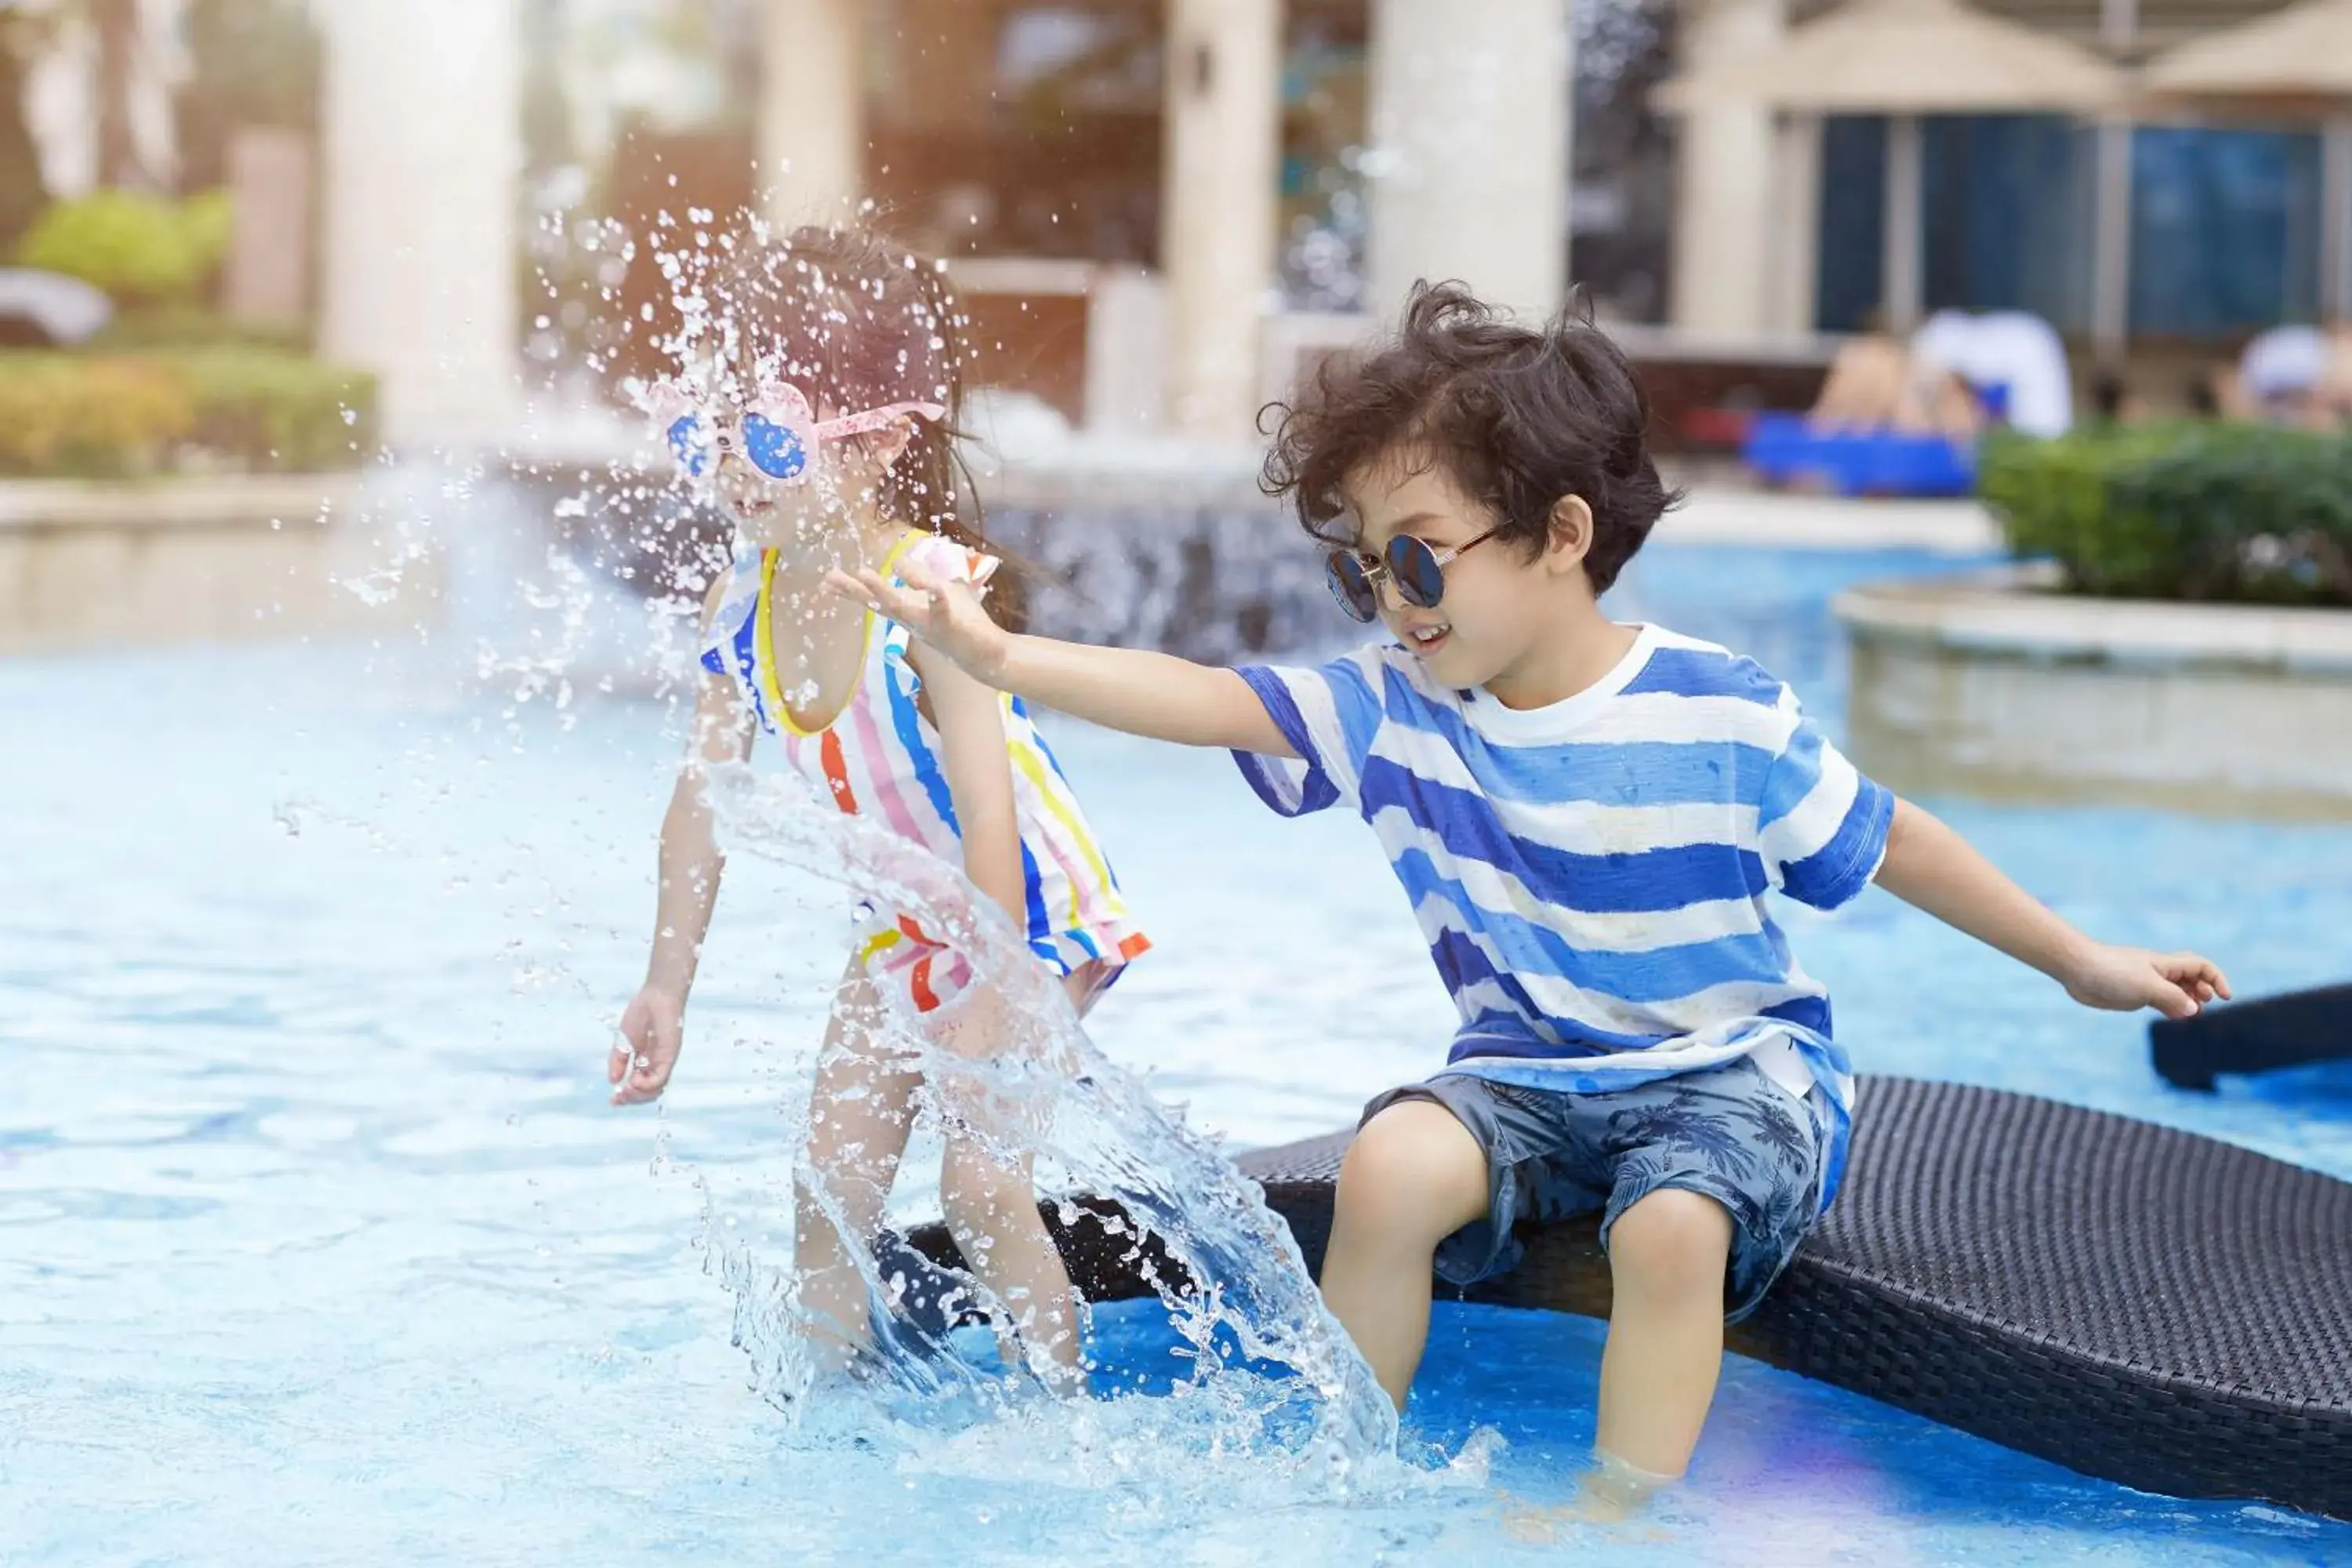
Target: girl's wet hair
857, 321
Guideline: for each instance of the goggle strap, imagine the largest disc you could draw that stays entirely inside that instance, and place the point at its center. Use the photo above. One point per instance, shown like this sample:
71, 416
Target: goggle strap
875, 419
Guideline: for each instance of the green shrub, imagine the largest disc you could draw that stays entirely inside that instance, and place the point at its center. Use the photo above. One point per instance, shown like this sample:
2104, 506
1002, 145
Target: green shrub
281, 412
168, 327
100, 418
123, 415
2241, 512
141, 249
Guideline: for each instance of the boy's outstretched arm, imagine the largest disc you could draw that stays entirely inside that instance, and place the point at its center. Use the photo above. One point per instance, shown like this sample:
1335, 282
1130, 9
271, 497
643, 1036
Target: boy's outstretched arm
1153, 694
1930, 865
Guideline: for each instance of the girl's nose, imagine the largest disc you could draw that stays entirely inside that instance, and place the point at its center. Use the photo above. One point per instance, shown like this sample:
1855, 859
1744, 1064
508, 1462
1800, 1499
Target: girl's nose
731, 473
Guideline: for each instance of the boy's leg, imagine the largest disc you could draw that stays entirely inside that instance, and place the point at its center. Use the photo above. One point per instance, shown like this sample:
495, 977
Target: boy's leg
1667, 1253
1413, 1176
860, 1112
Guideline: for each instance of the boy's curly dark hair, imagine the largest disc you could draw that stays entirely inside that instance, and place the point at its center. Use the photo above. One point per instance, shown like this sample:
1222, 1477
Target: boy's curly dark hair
1517, 417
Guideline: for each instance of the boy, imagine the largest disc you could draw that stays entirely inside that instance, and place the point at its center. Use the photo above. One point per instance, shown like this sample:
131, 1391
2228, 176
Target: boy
1587, 816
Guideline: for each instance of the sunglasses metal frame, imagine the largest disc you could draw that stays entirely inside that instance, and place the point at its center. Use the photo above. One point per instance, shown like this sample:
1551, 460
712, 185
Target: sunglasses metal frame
1369, 571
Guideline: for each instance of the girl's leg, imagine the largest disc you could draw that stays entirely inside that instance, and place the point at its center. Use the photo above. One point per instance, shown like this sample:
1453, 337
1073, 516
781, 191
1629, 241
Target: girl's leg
987, 1186
1664, 1351
1413, 1176
860, 1111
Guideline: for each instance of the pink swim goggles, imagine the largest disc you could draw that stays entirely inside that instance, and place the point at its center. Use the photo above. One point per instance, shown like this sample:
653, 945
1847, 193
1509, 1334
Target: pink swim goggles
782, 435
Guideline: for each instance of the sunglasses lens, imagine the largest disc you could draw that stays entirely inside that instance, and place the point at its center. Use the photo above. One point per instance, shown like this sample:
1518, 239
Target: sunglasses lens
1350, 585
1420, 580
689, 446
774, 450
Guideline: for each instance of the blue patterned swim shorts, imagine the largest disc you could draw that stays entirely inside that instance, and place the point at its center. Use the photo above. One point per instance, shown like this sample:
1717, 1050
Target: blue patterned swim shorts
1729, 1133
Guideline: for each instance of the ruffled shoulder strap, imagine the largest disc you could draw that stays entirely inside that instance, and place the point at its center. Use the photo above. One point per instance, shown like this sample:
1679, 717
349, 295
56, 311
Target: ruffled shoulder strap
727, 641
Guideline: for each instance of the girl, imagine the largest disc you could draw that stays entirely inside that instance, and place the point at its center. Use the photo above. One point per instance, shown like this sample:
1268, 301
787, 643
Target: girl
824, 427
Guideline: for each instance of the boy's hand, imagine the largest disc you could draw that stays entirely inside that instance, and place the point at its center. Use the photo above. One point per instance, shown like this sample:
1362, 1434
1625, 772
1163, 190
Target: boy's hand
652, 1030
944, 614
2124, 979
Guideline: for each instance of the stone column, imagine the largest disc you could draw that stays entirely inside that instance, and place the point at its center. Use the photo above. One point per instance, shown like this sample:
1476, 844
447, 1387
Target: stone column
1728, 207
2111, 218
423, 153
1902, 282
1796, 225
266, 279
2335, 216
1219, 207
2111, 242
812, 129
1469, 162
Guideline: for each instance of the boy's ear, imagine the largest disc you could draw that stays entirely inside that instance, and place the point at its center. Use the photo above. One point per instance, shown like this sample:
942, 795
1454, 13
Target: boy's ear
1571, 534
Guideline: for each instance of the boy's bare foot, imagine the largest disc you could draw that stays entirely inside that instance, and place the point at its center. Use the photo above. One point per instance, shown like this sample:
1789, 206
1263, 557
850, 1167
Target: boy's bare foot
1613, 1489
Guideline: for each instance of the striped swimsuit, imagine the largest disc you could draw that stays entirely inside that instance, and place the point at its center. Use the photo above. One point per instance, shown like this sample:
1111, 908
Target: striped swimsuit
880, 758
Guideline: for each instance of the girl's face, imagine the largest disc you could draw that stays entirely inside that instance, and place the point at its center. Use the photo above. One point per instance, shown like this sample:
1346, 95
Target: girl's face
843, 493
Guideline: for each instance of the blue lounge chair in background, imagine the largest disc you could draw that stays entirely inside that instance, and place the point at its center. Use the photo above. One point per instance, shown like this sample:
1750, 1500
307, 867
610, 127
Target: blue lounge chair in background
1789, 449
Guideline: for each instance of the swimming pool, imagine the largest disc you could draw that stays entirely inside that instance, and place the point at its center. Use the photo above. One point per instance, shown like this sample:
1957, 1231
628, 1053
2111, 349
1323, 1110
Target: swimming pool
322, 1245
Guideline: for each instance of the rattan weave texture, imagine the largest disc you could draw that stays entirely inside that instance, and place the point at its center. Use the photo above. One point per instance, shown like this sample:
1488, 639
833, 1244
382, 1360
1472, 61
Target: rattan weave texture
2134, 1302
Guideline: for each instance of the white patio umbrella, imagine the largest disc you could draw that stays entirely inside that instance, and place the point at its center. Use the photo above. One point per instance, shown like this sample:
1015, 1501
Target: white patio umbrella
1905, 58
59, 310
2297, 61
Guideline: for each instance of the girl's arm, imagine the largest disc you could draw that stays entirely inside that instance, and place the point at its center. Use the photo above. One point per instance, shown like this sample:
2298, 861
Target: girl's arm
653, 1025
1151, 694
1930, 865
970, 718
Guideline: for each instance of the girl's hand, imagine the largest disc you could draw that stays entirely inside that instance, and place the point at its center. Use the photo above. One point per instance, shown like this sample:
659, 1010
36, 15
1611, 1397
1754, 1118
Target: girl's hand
652, 1030
2125, 979
945, 614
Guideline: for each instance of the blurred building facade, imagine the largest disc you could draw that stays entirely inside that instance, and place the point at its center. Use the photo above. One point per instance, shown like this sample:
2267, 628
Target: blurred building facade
1162, 206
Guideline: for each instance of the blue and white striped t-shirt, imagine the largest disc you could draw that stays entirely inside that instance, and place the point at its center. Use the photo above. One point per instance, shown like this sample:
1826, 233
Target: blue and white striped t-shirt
1590, 875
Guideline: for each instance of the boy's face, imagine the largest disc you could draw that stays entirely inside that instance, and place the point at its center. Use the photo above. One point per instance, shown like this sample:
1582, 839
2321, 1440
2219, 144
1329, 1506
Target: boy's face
1497, 603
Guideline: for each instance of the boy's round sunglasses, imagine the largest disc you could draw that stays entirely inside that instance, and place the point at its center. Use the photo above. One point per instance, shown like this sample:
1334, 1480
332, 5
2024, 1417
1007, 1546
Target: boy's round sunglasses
1417, 570
782, 435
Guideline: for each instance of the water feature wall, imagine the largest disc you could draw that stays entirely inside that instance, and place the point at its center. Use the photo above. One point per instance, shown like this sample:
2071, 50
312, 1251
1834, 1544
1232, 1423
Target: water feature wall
1196, 565
1218, 580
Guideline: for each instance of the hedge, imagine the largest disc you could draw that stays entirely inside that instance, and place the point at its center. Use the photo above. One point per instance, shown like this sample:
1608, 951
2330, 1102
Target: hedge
141, 249
172, 328
98, 416
2241, 513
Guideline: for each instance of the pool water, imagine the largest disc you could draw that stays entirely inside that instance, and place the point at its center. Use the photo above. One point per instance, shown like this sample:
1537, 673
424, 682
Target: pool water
322, 1244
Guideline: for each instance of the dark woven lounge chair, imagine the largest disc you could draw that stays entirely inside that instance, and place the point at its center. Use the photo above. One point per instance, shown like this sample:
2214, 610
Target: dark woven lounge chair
2137, 1303
2254, 1036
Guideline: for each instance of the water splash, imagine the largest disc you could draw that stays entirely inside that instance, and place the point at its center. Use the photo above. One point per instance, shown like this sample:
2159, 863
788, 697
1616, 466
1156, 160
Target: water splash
1274, 1384
1258, 1388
